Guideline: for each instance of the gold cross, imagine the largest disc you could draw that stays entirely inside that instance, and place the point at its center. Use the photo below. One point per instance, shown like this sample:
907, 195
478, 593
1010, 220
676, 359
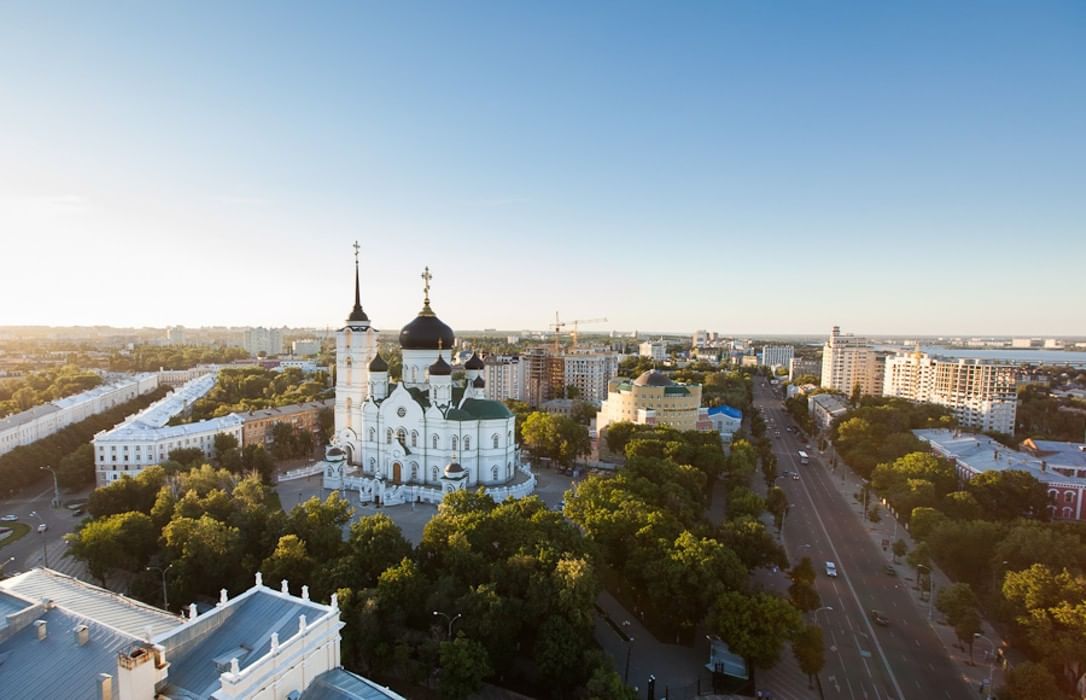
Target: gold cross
426, 276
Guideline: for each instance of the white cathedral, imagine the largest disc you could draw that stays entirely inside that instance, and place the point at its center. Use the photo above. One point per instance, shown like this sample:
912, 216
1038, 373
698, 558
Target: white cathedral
423, 436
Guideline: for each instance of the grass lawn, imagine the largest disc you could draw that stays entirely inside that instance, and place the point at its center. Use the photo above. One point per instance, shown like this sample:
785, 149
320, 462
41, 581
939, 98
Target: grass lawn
18, 530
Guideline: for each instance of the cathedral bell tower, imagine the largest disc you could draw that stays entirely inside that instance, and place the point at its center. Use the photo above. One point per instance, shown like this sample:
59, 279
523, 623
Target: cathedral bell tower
356, 347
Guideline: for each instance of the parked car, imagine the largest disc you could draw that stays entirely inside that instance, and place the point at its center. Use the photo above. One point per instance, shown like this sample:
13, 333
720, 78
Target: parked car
795, 477
879, 619
43, 527
890, 570
9, 518
831, 569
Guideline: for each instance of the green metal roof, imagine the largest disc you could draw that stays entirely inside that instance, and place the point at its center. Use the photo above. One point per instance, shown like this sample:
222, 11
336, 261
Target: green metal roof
486, 409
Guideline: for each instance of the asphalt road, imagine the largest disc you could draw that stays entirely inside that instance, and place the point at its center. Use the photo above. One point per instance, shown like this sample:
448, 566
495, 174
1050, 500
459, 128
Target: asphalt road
29, 550
903, 660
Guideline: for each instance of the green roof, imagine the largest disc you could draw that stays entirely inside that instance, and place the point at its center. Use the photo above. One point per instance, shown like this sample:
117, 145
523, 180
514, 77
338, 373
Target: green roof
420, 397
677, 390
457, 414
486, 409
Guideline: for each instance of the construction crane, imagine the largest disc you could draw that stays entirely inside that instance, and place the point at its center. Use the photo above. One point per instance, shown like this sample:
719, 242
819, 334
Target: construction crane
560, 324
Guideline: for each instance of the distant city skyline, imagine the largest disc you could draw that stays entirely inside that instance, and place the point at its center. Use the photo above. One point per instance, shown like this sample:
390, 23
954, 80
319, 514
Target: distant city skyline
758, 169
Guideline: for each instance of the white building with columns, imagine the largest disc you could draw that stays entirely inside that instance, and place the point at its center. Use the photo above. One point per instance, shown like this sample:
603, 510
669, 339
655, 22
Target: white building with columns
423, 436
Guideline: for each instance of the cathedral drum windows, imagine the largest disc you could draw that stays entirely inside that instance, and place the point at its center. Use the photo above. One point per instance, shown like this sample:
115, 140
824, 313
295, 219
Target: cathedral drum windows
373, 434
494, 473
414, 438
453, 443
467, 443
494, 439
388, 436
401, 436
437, 441
414, 472
434, 471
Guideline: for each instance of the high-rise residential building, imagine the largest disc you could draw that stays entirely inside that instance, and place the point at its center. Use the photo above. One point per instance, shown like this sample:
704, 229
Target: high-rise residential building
504, 377
266, 340
777, 355
306, 346
980, 393
699, 339
656, 349
848, 362
175, 335
589, 373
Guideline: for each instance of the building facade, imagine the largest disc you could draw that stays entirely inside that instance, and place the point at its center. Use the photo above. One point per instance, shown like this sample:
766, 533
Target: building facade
848, 362
146, 438
263, 340
306, 346
777, 355
981, 394
826, 408
656, 349
257, 426
589, 373
653, 399
504, 377
799, 367
44, 420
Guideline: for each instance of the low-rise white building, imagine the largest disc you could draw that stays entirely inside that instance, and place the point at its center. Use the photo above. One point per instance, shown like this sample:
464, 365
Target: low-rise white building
306, 346
64, 638
146, 438
44, 420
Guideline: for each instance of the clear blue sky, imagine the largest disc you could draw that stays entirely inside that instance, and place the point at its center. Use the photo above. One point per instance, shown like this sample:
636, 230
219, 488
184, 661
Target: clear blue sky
751, 167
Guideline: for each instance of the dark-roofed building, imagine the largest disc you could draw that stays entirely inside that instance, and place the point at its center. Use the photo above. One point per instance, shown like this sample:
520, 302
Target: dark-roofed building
396, 438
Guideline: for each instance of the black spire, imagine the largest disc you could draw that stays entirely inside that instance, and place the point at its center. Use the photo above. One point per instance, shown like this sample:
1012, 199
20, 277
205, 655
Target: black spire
357, 314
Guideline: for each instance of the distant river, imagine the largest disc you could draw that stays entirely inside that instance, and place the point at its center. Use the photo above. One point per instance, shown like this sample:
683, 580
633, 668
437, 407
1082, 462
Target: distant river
1032, 357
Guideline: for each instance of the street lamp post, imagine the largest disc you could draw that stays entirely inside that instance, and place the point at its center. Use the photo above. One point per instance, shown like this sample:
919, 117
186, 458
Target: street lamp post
451, 620
44, 543
56, 485
991, 661
162, 572
5, 563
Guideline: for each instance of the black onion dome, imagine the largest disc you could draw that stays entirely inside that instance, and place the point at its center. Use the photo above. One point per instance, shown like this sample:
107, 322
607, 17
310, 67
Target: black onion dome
378, 364
440, 368
653, 378
426, 332
453, 468
478, 383
474, 362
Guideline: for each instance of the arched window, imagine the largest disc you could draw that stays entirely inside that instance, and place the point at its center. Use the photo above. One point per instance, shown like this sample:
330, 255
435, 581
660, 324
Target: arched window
494, 473
494, 438
347, 360
373, 434
436, 439
388, 436
1069, 497
401, 435
1067, 513
373, 465
414, 438
1053, 495
1051, 512
453, 444
414, 471
433, 474
467, 443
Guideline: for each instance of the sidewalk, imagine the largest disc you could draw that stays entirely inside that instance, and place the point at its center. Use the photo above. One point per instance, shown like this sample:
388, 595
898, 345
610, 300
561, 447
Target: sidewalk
973, 673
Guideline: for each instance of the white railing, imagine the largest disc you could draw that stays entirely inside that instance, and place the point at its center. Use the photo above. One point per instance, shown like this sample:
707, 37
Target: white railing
302, 472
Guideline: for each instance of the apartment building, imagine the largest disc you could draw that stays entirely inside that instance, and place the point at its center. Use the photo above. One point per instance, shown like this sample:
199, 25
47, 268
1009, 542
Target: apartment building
981, 394
589, 373
504, 378
656, 349
777, 355
849, 361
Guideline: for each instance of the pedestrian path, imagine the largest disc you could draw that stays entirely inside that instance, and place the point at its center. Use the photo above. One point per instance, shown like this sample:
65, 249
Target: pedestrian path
58, 561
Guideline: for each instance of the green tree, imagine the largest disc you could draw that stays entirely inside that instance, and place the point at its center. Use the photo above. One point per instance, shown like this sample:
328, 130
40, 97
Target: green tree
958, 602
224, 442
1010, 494
188, 456
1030, 681
320, 524
1050, 607
777, 504
290, 562
555, 437
464, 665
810, 653
961, 505
123, 541
374, 544
744, 502
77, 468
755, 626
755, 546
900, 549
127, 494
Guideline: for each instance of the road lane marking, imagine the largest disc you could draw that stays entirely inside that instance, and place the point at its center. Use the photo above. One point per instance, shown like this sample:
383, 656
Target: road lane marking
852, 589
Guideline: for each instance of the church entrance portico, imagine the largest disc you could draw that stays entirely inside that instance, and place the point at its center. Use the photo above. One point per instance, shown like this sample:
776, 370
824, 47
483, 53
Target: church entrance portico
397, 473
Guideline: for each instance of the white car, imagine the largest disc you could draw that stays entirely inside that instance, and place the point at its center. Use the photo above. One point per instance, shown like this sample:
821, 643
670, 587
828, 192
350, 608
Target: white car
9, 518
43, 527
831, 569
